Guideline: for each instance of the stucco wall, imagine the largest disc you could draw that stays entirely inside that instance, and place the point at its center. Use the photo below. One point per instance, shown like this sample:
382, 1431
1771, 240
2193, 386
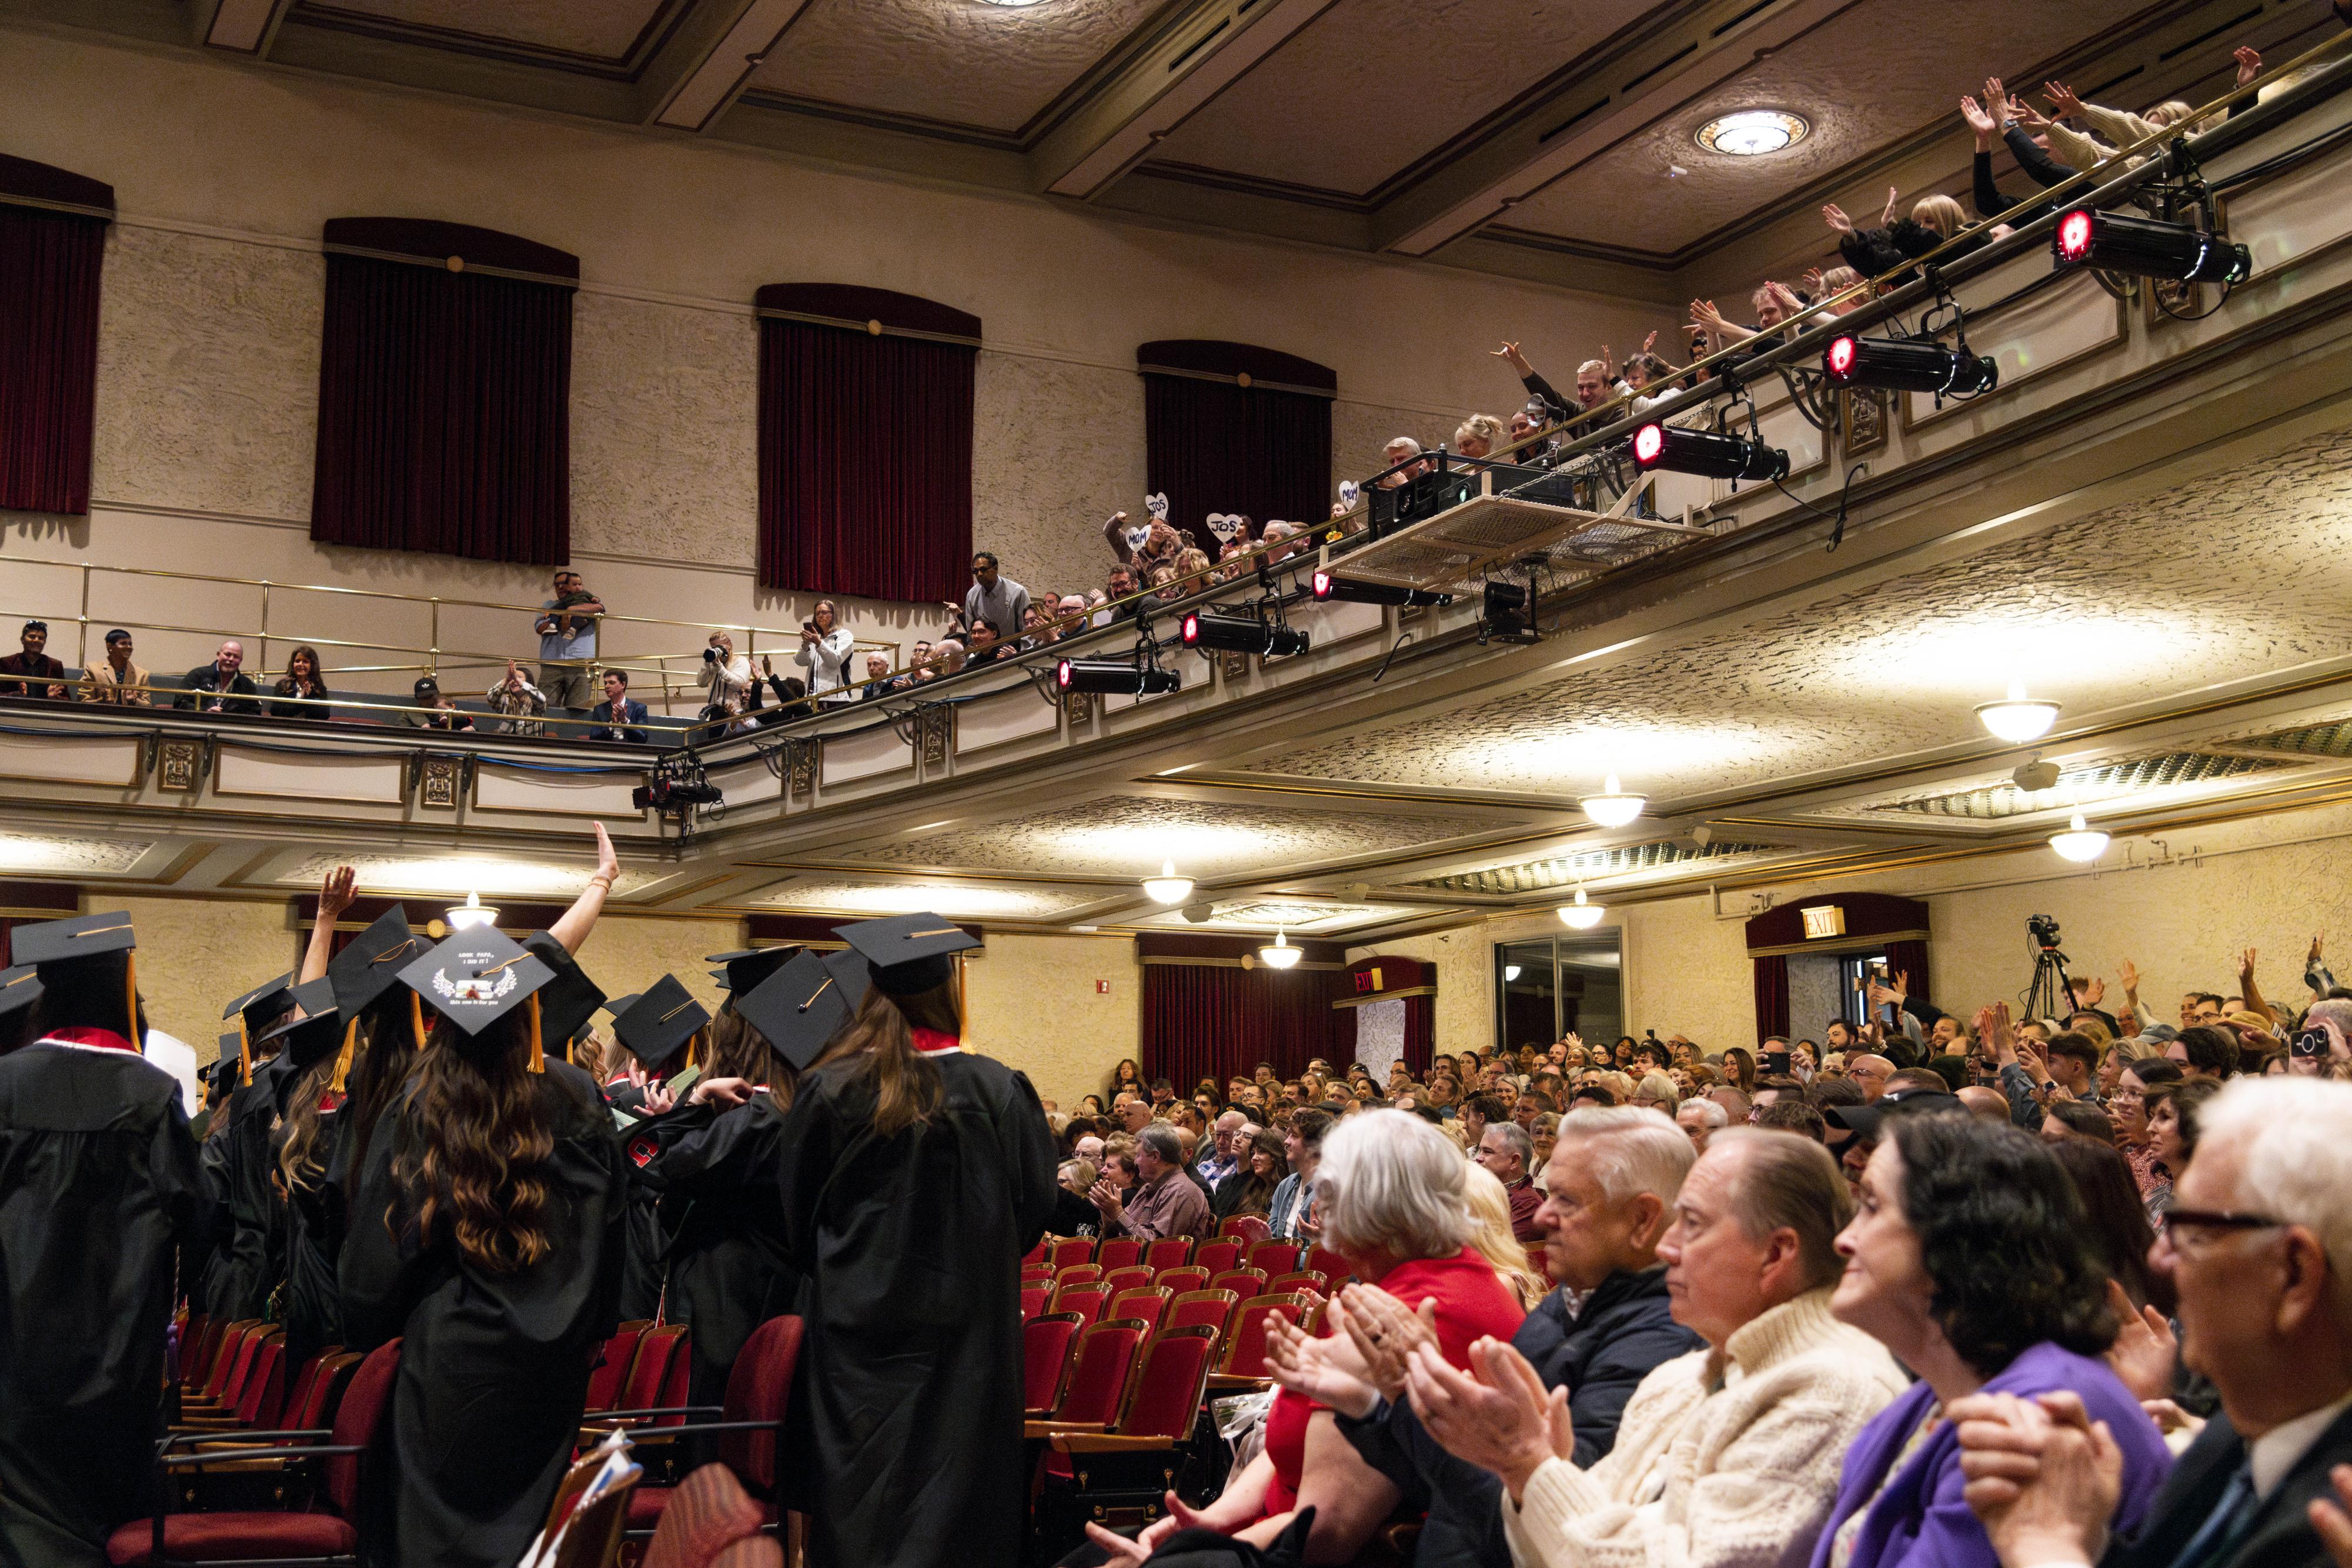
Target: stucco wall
1030, 1003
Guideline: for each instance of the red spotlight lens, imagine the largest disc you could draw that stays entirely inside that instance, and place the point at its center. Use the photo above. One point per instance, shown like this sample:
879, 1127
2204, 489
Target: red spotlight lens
1191, 629
2075, 235
1062, 674
1648, 441
1840, 359
1322, 585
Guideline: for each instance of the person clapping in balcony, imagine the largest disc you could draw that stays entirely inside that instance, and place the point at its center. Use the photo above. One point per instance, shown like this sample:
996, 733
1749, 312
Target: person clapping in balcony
117, 680
301, 693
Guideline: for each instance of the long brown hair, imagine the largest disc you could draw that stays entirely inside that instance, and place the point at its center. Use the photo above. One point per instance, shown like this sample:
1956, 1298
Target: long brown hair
298, 1164
476, 1143
880, 1039
382, 1059
740, 1051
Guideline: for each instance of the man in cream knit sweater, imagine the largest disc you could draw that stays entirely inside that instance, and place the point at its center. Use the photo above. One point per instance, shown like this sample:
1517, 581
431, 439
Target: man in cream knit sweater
1728, 1457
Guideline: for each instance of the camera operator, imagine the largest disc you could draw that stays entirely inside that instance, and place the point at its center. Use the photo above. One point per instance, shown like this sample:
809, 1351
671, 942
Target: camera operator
825, 652
727, 680
619, 716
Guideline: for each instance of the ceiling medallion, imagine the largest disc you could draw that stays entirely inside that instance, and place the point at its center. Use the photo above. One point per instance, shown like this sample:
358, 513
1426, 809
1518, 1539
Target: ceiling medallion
1753, 132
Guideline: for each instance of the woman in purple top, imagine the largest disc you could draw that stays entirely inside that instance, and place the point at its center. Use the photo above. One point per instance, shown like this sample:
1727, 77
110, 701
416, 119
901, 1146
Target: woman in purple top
1970, 1260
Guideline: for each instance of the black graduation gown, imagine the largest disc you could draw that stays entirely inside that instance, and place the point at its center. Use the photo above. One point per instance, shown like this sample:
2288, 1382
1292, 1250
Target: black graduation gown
727, 1272
912, 1250
250, 1261
641, 1269
316, 1224
493, 1367
99, 1186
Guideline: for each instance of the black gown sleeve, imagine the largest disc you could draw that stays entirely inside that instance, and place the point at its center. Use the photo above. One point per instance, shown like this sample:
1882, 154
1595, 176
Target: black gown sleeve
1029, 1159
381, 1273
1871, 251
2037, 165
814, 1137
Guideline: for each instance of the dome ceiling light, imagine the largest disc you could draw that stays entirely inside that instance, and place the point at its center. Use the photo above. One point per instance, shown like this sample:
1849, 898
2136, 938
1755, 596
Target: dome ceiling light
1752, 132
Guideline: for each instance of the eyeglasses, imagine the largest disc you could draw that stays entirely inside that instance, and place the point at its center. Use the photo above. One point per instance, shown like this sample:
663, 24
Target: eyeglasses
2127, 1097
2179, 1223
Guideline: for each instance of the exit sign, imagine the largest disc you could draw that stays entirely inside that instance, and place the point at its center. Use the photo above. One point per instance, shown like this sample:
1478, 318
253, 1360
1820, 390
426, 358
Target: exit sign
1825, 920
1368, 979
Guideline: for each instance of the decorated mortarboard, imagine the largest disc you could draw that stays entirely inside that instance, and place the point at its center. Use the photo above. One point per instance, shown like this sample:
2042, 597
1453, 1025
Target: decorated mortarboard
799, 1009
476, 976
369, 964
571, 998
88, 950
663, 1018
744, 969
910, 952
19, 988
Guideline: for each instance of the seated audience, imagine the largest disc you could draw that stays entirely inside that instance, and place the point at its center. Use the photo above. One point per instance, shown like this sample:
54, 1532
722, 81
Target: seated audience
619, 716
1491, 1238
1249, 1189
1164, 1202
113, 679
40, 675
1506, 1152
440, 711
301, 693
221, 686
520, 704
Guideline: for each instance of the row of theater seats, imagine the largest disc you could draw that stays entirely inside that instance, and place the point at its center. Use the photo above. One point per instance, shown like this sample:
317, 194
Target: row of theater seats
237, 1485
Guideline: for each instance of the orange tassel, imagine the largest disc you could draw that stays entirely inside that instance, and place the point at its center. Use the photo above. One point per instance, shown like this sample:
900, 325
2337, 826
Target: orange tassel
538, 1057
244, 1052
131, 1003
416, 1018
344, 1061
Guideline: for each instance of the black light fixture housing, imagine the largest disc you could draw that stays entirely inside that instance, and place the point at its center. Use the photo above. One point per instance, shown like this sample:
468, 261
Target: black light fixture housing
2148, 248
1719, 456
1240, 634
1509, 612
1328, 587
1907, 364
1114, 677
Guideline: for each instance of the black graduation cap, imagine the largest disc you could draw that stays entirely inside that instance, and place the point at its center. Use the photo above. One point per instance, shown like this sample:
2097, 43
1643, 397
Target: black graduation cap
799, 1009
744, 969
910, 952
262, 1004
619, 1005
852, 974
571, 998
663, 1018
19, 988
369, 965
87, 952
223, 1076
307, 1041
475, 978
315, 997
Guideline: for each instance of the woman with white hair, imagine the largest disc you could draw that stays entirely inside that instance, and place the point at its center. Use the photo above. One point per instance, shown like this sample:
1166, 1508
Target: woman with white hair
1391, 1192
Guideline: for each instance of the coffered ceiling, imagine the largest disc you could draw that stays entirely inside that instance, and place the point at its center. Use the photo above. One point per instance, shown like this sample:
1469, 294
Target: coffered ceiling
1547, 140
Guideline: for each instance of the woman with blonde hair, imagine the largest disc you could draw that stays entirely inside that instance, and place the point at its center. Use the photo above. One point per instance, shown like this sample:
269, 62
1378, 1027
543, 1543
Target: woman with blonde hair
1478, 435
1656, 1092
1935, 221
1491, 1238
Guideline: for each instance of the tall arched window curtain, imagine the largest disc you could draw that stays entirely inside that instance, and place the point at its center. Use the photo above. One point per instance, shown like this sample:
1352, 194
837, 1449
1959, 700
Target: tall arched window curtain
52, 249
1205, 1015
864, 442
1233, 428
444, 392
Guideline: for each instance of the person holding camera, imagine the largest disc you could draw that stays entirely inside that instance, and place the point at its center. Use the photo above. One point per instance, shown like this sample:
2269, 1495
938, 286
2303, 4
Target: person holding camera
727, 680
824, 652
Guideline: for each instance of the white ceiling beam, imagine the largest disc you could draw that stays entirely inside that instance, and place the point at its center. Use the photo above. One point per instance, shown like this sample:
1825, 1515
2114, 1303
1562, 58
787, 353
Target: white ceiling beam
1586, 117
1202, 51
710, 60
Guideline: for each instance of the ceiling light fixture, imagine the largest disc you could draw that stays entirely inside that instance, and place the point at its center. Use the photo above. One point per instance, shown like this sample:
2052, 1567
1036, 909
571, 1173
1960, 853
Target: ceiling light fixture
1613, 808
1510, 973
472, 912
2017, 719
1168, 887
1280, 954
1752, 132
1579, 915
2080, 843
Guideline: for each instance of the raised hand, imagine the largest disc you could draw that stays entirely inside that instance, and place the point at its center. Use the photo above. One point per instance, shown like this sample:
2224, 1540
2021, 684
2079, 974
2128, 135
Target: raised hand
2094, 991
608, 864
1979, 122
1509, 354
336, 893
2061, 97
1651, 342
1887, 216
2246, 971
2127, 976
1834, 216
2250, 64
2145, 1350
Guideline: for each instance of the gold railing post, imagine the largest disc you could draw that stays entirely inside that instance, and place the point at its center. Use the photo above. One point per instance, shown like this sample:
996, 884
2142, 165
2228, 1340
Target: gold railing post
433, 635
81, 643
263, 663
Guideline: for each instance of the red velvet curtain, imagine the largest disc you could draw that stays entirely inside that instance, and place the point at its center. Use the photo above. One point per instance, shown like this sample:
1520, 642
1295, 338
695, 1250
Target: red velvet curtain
1215, 1022
1771, 996
1420, 1033
1212, 446
49, 266
444, 420
864, 462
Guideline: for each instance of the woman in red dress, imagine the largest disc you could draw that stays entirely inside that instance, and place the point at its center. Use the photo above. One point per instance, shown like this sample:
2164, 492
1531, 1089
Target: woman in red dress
1391, 1199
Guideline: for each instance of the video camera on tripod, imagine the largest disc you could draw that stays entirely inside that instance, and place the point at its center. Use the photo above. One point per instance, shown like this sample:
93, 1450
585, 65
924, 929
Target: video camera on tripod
676, 789
2051, 994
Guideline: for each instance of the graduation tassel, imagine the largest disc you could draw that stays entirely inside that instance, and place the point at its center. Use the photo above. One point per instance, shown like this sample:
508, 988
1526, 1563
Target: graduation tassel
416, 1018
244, 1051
343, 1061
131, 1003
538, 1057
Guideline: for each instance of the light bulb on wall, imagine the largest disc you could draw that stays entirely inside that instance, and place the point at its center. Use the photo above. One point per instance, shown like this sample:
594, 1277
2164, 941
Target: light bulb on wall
1168, 887
2017, 718
1613, 806
2080, 843
1579, 915
1279, 954
470, 913
1510, 973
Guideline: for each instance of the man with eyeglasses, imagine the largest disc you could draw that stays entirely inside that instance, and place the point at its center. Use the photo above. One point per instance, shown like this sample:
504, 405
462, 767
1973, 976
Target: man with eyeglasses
1871, 1071
2258, 1244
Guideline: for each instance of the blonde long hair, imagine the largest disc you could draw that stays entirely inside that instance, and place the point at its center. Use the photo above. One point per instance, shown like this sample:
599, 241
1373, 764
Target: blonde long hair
1491, 1238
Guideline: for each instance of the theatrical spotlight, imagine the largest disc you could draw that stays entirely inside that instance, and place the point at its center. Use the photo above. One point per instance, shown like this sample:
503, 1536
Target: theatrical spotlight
1510, 613
1328, 587
1240, 634
1679, 451
2147, 247
1907, 364
1114, 676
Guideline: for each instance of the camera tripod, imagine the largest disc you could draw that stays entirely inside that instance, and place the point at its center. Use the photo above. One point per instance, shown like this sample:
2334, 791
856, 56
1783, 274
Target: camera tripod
2051, 994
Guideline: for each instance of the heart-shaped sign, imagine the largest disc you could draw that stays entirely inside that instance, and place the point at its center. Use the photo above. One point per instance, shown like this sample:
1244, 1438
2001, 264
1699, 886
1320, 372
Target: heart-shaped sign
1226, 525
1138, 536
1349, 493
1157, 505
